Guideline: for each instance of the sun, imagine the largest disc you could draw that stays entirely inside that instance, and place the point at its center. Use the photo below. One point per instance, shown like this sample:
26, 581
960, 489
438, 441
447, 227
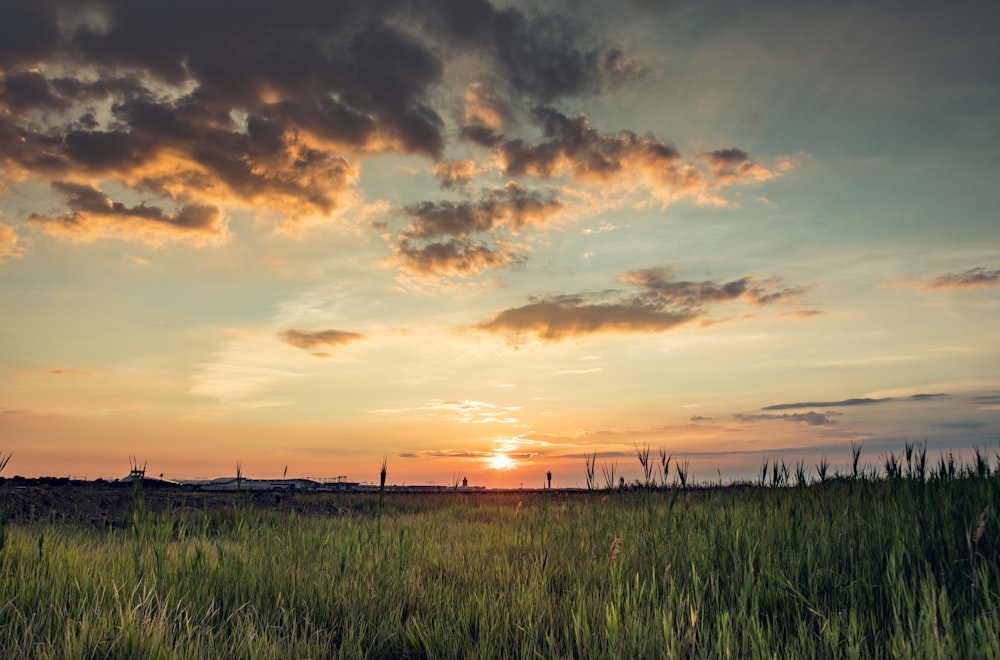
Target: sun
500, 462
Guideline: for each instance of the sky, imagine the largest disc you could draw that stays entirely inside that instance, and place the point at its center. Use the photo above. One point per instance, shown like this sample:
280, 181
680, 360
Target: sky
488, 239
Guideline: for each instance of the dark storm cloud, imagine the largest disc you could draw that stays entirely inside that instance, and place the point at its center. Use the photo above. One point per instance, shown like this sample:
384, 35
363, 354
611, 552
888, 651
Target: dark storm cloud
29, 90
462, 238
656, 307
393, 72
542, 56
809, 418
864, 401
264, 104
29, 30
969, 279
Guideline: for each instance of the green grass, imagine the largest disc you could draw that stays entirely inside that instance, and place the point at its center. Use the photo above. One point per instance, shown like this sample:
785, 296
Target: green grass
868, 567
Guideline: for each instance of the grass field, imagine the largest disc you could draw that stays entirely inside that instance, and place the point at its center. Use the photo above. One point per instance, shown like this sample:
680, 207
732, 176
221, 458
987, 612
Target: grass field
901, 562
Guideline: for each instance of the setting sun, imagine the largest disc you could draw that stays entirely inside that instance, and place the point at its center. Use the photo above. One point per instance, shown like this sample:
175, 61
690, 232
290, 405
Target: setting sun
500, 462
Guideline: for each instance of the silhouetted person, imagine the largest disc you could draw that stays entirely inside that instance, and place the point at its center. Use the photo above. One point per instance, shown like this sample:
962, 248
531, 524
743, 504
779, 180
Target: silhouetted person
549, 475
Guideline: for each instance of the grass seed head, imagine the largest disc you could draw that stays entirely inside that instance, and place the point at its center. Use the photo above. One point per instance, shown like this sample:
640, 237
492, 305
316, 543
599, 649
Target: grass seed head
616, 547
982, 524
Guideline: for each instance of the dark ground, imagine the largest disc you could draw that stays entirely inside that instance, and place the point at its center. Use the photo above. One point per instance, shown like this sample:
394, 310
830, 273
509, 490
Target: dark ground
109, 504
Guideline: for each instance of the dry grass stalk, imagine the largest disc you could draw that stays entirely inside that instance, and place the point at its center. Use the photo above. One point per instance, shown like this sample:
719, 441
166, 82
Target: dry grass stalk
973, 556
982, 524
616, 547
937, 632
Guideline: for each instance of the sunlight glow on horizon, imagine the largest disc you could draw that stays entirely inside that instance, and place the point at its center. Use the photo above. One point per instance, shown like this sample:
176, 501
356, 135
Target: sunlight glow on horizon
501, 462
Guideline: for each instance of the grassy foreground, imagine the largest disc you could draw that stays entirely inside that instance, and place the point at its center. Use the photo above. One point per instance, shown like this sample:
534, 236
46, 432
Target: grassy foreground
853, 567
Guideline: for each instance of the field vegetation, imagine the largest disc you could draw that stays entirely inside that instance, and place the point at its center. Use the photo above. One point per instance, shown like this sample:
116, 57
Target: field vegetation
899, 559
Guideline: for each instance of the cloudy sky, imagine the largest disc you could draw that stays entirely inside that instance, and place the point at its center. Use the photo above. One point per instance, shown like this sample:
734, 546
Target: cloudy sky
486, 239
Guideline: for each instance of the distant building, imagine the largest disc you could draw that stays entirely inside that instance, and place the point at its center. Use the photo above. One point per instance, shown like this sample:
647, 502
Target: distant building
139, 474
234, 484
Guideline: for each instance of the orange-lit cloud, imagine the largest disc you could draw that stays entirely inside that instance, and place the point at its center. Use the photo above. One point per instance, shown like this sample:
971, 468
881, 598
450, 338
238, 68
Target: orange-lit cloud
987, 402
661, 304
70, 372
513, 208
94, 215
267, 108
11, 246
860, 401
972, 278
750, 289
466, 238
977, 277
735, 164
444, 453
55, 372
484, 116
309, 340
466, 411
453, 257
455, 173
505, 454
175, 153
803, 313
563, 319
572, 147
810, 418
